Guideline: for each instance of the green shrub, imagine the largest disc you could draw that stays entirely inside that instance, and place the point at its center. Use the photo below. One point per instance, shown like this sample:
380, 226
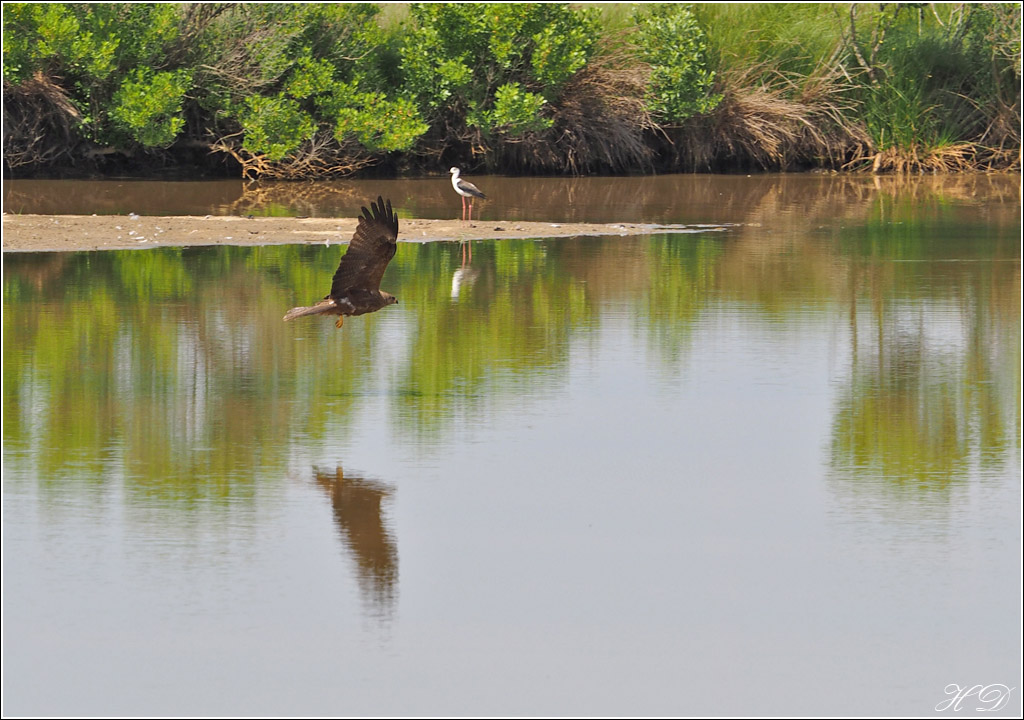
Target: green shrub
673, 44
517, 111
274, 126
96, 51
376, 123
460, 56
148, 106
334, 66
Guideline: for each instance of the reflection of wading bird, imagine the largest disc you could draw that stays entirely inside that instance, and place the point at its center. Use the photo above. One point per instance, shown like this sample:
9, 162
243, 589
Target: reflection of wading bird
355, 289
465, 275
467, 190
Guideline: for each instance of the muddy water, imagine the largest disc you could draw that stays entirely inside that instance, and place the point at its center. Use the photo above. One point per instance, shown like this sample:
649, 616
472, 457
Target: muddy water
665, 199
774, 470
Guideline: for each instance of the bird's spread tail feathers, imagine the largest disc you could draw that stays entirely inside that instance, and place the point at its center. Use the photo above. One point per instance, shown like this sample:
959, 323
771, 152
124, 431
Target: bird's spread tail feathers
321, 307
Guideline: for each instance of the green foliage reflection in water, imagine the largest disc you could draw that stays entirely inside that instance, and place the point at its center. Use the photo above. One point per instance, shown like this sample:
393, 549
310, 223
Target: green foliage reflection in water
505, 331
931, 386
172, 368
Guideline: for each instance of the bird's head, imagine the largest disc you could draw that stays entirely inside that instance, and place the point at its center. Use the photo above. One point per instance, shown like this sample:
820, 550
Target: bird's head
453, 170
389, 299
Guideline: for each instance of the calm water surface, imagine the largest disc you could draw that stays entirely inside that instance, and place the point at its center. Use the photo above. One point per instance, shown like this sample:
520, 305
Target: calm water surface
773, 470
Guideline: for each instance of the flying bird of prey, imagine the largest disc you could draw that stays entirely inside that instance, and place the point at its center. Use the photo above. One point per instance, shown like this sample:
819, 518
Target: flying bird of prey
467, 190
355, 289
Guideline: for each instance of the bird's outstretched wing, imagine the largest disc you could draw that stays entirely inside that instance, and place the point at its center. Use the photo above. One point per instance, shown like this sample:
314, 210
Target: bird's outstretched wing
372, 247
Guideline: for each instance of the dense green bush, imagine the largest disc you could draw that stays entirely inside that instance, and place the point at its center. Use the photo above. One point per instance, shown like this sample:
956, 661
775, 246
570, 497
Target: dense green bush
378, 124
681, 82
494, 69
258, 82
104, 56
288, 75
148, 106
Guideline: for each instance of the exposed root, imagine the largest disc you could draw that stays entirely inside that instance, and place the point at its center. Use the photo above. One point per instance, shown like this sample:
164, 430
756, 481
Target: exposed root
321, 157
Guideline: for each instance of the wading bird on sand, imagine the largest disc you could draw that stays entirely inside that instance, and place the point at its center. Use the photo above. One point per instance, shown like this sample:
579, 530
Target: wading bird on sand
355, 289
467, 190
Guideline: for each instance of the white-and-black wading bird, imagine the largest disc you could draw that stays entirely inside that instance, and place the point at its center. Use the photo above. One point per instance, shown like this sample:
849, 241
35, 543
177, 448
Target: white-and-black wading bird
467, 190
355, 289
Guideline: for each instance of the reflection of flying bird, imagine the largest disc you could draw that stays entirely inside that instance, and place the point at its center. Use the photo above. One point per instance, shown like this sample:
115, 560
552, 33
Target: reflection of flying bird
359, 516
355, 289
467, 190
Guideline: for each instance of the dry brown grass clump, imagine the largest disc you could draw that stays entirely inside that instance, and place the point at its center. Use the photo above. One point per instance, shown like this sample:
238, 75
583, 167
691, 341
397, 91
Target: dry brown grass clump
39, 123
955, 157
600, 123
776, 125
602, 120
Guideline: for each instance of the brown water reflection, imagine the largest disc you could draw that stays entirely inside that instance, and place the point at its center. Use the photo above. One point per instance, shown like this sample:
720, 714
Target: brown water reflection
358, 505
772, 200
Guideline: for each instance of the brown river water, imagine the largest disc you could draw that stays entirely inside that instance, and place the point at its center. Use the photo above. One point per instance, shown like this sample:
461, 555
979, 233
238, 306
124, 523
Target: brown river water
655, 199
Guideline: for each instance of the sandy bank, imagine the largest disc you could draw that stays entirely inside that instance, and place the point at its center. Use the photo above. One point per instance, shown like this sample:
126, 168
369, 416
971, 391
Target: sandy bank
46, 233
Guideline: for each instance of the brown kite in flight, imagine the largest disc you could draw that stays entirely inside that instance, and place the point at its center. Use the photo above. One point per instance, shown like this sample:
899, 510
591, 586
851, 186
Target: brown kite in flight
355, 289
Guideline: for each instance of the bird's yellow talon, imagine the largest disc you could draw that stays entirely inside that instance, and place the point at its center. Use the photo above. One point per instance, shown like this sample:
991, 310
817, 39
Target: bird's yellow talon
341, 319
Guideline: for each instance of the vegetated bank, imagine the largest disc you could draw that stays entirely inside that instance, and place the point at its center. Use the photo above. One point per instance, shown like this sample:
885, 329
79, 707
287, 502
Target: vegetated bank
299, 91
